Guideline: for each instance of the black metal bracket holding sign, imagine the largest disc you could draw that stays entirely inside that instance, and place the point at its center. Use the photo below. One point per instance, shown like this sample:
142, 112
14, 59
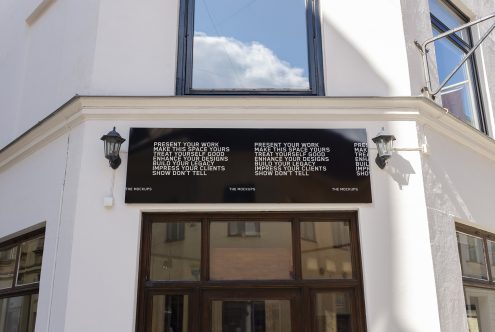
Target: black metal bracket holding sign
248, 166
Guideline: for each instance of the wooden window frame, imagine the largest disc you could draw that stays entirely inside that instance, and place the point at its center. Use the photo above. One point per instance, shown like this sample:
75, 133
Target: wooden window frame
306, 287
27, 289
30, 289
485, 236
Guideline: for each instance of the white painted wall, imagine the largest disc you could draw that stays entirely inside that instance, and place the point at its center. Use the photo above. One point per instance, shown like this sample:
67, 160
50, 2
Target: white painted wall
364, 48
136, 48
12, 37
110, 47
401, 279
41, 189
45, 63
459, 187
94, 47
458, 182
399, 286
398, 271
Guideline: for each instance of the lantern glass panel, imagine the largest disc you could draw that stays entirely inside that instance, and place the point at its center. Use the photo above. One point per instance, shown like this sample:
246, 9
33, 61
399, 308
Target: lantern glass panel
382, 147
388, 148
111, 149
106, 145
117, 148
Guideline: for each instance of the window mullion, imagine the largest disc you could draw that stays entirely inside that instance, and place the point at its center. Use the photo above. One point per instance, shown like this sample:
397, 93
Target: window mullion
296, 247
459, 252
17, 263
205, 250
487, 260
455, 39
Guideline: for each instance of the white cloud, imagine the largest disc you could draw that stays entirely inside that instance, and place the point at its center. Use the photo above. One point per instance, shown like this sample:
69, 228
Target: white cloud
222, 62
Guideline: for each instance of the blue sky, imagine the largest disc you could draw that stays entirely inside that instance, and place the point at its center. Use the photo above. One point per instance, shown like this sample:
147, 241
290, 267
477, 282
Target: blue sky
280, 25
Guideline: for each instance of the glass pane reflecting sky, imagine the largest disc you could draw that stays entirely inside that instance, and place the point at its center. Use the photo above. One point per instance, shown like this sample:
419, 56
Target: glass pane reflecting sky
448, 17
458, 94
250, 44
448, 57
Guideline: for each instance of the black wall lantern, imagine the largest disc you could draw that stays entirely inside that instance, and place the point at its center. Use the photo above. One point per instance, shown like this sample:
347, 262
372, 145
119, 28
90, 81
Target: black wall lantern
112, 142
384, 144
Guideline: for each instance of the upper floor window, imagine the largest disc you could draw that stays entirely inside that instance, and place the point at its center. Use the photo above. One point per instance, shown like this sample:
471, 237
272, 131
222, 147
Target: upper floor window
249, 47
461, 95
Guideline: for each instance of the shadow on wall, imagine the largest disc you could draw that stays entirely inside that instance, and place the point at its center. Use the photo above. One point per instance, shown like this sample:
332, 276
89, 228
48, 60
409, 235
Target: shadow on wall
446, 174
417, 26
441, 193
384, 265
452, 179
400, 169
348, 72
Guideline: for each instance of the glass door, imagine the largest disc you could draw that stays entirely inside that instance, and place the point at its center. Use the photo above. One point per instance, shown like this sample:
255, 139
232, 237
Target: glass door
333, 311
251, 310
261, 272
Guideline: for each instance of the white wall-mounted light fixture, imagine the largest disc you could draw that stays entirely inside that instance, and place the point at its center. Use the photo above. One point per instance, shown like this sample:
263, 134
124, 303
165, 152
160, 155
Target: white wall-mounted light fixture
112, 142
384, 145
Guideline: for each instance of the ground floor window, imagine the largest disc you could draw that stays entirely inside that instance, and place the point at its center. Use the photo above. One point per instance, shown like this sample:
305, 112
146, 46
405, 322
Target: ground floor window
20, 269
477, 253
273, 272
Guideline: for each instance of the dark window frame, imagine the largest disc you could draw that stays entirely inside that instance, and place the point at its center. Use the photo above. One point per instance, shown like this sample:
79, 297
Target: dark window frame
194, 289
464, 47
485, 236
183, 85
468, 282
30, 289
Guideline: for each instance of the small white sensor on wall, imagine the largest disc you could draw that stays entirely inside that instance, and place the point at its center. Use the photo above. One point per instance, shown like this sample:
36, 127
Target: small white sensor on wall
108, 201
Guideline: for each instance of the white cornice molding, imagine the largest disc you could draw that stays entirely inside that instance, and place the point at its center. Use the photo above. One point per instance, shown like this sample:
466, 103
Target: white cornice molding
286, 109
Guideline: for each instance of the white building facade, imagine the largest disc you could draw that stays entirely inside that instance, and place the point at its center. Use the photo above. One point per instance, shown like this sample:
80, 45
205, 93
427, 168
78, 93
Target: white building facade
77, 255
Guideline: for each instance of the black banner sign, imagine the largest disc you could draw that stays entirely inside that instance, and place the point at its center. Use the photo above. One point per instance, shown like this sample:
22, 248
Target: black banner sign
248, 166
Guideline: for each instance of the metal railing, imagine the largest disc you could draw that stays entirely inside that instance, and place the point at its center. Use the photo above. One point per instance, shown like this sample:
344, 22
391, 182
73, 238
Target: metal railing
428, 89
